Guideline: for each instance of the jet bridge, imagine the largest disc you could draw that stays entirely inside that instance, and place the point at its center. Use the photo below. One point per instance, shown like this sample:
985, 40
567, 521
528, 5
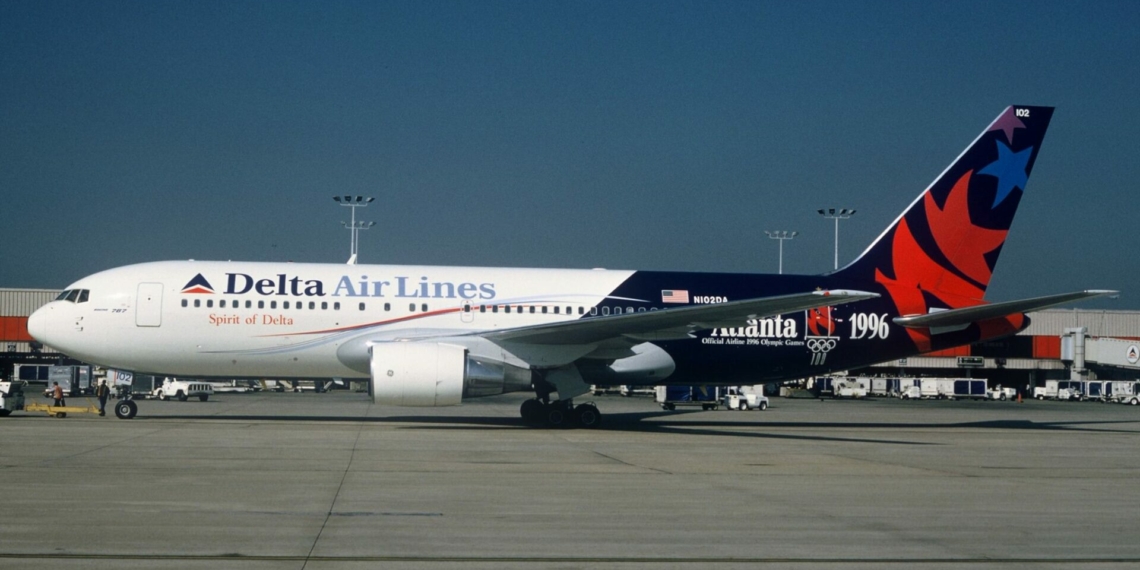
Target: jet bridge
1080, 350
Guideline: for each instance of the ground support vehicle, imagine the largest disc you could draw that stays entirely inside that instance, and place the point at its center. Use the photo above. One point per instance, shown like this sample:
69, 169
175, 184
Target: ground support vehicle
183, 390
1002, 394
736, 400
1126, 392
11, 397
849, 388
670, 397
1059, 390
61, 411
886, 386
969, 388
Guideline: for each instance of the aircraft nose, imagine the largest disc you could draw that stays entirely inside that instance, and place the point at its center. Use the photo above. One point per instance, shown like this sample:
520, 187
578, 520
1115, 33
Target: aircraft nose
38, 324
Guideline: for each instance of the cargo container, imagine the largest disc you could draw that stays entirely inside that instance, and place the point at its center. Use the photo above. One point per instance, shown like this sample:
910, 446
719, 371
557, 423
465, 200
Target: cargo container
670, 397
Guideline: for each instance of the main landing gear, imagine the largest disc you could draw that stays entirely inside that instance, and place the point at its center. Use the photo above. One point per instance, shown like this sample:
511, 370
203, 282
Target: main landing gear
561, 413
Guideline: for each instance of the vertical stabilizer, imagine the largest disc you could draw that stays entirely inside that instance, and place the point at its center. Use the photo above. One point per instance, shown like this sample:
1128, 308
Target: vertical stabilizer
946, 244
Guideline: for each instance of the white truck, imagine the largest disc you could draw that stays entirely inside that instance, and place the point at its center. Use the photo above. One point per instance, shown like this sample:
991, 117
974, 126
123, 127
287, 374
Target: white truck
1000, 393
1058, 390
182, 390
11, 397
737, 399
855, 388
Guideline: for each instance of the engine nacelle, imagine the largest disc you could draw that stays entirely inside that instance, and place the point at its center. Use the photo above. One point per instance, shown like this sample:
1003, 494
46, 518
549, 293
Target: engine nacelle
422, 374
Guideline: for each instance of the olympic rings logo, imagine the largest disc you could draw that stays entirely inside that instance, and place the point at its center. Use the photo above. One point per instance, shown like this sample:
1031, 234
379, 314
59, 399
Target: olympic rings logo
821, 344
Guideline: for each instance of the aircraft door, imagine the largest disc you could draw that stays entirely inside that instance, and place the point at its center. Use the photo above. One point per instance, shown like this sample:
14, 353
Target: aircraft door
148, 305
467, 312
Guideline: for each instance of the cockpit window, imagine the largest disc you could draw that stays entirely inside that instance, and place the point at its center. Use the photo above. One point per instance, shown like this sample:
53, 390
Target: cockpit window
74, 295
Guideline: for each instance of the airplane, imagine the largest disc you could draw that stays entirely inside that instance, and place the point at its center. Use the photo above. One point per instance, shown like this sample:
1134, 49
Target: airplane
435, 336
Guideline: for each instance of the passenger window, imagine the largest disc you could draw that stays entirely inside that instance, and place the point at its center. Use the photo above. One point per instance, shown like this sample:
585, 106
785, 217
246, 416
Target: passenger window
556, 310
312, 305
184, 303
248, 304
261, 304
412, 307
423, 307
300, 304
568, 311
494, 308
532, 309
641, 309
617, 310
482, 308
83, 295
273, 304
362, 306
324, 305
197, 303
285, 305
336, 306
594, 311
506, 308
629, 309
210, 303
466, 308
581, 310
222, 304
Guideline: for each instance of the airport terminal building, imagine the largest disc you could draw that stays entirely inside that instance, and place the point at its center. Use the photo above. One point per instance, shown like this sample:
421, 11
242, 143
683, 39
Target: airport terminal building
1058, 344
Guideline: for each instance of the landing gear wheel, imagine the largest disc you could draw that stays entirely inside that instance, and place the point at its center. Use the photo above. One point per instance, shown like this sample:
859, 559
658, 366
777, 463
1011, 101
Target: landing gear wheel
555, 416
588, 416
126, 409
531, 411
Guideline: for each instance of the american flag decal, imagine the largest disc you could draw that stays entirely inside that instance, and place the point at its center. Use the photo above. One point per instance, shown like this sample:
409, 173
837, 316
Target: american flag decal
674, 296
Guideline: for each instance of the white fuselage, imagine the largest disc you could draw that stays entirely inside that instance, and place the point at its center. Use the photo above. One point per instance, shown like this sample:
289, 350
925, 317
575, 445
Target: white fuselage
288, 320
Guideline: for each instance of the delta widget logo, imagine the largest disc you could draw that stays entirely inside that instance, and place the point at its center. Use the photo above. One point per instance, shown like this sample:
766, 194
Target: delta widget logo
198, 285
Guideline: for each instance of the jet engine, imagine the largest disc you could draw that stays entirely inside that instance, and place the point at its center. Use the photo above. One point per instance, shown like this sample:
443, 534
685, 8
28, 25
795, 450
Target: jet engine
430, 374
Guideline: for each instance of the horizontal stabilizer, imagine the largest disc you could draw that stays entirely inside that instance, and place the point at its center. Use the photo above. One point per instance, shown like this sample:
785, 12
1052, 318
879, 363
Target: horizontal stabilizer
698, 317
967, 315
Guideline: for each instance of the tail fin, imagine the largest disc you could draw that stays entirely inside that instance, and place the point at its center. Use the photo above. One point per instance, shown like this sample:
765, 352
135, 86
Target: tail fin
947, 242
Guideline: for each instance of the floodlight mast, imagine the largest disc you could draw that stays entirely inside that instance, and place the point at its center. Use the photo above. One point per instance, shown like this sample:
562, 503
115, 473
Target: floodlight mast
782, 236
840, 214
354, 202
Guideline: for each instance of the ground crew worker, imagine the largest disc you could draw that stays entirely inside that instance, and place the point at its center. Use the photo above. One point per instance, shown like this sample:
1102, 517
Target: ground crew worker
57, 393
102, 391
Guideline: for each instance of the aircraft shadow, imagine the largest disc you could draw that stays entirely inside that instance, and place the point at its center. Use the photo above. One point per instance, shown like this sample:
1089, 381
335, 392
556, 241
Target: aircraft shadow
676, 422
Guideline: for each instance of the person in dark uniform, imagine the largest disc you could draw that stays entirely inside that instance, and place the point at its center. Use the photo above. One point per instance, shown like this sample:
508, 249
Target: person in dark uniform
102, 391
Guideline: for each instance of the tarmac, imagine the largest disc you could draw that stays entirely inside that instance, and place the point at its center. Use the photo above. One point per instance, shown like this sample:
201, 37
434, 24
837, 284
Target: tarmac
332, 481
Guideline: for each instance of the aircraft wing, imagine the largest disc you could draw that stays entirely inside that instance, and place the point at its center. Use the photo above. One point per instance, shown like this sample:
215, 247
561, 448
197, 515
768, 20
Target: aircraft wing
967, 315
674, 323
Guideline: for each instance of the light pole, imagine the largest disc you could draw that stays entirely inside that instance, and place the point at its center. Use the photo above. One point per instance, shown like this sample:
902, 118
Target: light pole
840, 214
354, 202
782, 236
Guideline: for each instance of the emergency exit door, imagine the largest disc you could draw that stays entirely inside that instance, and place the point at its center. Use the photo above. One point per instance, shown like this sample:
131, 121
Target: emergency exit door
148, 305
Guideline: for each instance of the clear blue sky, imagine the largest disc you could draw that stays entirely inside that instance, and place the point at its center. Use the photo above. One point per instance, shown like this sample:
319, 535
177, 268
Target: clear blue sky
643, 135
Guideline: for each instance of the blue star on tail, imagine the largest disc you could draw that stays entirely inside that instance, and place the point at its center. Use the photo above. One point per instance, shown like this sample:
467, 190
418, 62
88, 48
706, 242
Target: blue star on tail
1009, 169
